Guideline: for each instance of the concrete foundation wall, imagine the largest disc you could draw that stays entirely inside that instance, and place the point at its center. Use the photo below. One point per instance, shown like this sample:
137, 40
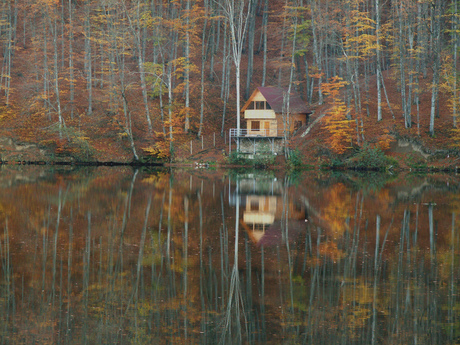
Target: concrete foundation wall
262, 145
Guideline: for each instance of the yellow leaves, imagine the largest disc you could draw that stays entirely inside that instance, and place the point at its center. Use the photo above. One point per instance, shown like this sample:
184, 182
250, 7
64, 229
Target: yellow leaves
6, 113
159, 150
337, 122
456, 137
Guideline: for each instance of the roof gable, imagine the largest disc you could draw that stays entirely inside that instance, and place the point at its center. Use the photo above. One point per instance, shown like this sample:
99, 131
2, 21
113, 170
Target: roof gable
275, 98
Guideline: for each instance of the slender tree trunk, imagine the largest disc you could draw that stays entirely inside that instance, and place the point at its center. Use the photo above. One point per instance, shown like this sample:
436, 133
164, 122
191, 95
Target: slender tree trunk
250, 53
265, 25
203, 59
11, 23
137, 30
71, 72
45, 69
120, 52
316, 50
56, 76
282, 52
144, 92
170, 104
226, 89
455, 32
437, 11
187, 67
237, 21
88, 60
287, 113
402, 64
379, 69
225, 56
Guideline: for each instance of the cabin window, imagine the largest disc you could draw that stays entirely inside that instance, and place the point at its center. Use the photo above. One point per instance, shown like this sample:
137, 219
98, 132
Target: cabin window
255, 125
254, 205
297, 125
260, 105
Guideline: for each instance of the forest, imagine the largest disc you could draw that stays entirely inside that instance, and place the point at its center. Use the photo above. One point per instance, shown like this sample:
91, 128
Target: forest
138, 79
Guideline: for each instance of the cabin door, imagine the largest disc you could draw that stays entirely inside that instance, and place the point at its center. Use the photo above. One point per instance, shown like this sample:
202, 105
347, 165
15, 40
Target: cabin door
267, 128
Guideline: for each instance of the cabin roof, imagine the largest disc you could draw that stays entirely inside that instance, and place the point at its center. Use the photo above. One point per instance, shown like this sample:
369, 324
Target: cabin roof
274, 97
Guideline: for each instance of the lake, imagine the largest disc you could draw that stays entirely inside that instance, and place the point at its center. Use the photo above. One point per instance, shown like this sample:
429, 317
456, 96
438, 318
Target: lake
119, 256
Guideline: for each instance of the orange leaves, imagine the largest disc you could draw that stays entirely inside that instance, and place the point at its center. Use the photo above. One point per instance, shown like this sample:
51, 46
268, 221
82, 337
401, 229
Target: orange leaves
333, 87
337, 122
385, 139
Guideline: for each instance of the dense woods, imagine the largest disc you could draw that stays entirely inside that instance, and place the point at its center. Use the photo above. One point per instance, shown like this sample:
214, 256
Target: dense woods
143, 76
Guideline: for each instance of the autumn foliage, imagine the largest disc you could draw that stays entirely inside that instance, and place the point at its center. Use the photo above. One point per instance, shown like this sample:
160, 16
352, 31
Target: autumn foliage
338, 121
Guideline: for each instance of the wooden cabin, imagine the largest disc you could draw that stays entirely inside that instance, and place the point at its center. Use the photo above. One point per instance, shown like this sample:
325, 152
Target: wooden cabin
263, 112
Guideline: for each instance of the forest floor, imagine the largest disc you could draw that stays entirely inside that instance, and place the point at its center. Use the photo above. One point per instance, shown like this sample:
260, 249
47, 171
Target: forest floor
23, 139
412, 147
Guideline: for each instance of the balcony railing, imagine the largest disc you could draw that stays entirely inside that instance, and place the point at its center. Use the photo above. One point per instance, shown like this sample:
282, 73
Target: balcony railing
251, 133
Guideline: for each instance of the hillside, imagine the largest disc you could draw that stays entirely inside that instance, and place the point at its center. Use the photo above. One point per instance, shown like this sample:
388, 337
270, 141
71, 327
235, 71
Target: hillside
139, 80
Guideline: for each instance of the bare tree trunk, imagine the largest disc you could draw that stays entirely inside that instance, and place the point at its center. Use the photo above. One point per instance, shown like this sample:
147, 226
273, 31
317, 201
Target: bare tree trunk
265, 24
45, 69
238, 22
226, 89
88, 60
203, 59
71, 75
251, 34
170, 101
11, 22
287, 112
136, 32
402, 65
455, 62
316, 50
120, 59
56, 77
437, 11
379, 68
283, 39
187, 67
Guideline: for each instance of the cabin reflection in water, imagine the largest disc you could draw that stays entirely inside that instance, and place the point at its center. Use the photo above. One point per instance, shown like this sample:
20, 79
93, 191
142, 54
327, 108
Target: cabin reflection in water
270, 213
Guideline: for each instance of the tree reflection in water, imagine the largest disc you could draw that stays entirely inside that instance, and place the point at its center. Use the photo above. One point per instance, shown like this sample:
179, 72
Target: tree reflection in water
103, 255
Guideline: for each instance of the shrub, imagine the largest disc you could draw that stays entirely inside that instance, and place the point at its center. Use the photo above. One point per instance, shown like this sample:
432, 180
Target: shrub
235, 158
372, 158
295, 159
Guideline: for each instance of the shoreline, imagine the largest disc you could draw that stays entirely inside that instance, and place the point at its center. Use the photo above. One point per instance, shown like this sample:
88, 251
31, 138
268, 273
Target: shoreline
217, 165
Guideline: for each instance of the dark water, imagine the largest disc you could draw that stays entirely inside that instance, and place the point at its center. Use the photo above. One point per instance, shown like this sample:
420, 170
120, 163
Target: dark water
116, 256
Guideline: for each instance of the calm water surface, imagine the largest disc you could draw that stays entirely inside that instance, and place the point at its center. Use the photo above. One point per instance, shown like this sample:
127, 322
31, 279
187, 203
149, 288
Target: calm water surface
120, 256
